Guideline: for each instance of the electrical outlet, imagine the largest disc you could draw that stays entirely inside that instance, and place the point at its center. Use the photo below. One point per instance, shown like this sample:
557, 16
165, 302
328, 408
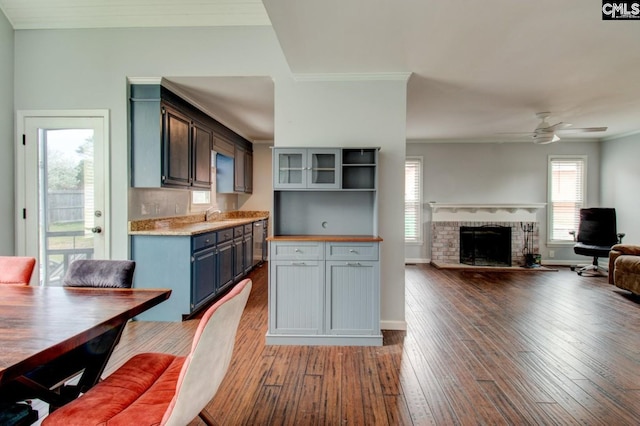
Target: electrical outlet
552, 254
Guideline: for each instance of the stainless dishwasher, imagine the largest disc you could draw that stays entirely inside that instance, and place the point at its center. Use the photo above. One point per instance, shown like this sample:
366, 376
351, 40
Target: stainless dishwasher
259, 241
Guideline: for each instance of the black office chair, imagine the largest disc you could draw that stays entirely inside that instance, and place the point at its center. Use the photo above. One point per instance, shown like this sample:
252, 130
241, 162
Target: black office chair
597, 233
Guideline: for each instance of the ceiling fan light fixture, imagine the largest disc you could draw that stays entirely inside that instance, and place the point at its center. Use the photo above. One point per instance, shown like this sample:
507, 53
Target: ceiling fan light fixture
545, 139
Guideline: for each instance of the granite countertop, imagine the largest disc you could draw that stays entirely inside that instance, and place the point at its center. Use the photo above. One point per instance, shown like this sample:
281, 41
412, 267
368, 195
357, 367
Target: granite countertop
193, 224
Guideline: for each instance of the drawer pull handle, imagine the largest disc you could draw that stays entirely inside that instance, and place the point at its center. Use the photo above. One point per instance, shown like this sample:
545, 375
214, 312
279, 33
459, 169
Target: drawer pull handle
298, 251
298, 263
354, 264
353, 251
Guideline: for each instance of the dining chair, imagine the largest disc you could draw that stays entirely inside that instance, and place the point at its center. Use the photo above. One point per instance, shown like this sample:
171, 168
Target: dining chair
165, 389
91, 358
16, 269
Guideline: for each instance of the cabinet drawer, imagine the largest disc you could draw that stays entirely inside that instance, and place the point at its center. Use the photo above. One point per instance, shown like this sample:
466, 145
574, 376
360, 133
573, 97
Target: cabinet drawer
248, 229
225, 235
352, 251
204, 240
237, 231
297, 250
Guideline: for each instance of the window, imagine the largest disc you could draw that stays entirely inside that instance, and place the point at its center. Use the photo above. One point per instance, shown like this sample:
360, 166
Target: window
567, 189
413, 200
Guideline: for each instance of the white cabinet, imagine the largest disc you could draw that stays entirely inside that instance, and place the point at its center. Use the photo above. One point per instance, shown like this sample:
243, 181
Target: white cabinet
324, 293
324, 273
352, 294
306, 168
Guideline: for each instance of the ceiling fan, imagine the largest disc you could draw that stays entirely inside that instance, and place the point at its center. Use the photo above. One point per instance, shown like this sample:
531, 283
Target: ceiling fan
545, 133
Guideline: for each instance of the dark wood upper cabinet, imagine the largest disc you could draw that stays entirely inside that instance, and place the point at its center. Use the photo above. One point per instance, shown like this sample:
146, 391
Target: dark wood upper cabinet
238, 170
171, 143
176, 139
248, 172
202, 140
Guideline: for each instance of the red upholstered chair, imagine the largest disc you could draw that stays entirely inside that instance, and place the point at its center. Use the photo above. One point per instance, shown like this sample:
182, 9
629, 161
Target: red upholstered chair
16, 269
163, 389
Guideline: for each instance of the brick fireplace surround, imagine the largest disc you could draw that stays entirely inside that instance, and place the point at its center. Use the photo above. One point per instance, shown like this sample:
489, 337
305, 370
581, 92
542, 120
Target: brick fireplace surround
447, 219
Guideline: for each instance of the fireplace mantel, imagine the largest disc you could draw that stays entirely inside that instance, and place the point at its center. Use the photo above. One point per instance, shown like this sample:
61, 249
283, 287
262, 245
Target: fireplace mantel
451, 212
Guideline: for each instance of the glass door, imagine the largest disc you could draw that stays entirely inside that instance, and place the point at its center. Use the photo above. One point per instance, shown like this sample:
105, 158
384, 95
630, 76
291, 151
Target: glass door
324, 170
291, 168
64, 193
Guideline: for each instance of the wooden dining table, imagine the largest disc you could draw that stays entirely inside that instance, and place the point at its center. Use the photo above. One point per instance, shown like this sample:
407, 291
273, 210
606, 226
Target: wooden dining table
39, 325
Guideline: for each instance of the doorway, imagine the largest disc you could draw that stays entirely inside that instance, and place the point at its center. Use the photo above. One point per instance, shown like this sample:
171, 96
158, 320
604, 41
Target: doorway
62, 190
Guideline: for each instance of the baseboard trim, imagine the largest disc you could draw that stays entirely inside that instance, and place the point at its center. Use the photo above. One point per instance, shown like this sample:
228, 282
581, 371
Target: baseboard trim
393, 325
418, 260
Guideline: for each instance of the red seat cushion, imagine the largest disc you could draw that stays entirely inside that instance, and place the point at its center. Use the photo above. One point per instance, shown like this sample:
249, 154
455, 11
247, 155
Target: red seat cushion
138, 393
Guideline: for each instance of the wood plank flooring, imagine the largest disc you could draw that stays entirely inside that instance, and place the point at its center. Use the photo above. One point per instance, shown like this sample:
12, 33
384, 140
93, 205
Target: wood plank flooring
480, 348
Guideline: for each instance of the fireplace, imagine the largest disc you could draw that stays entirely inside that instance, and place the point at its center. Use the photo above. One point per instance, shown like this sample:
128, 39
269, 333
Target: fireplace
485, 245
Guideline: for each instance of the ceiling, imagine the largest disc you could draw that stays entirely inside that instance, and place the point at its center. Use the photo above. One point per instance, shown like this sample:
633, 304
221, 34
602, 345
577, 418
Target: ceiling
478, 68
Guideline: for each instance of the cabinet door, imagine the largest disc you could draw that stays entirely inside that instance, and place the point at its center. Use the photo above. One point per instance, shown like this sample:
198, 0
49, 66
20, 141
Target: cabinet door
352, 298
202, 140
248, 172
238, 169
176, 147
238, 259
248, 253
225, 265
323, 168
295, 297
290, 168
203, 279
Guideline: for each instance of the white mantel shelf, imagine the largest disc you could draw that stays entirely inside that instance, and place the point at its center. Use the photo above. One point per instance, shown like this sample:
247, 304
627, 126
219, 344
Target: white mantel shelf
452, 212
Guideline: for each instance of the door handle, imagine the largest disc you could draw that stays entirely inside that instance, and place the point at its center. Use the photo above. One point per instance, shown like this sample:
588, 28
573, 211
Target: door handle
96, 230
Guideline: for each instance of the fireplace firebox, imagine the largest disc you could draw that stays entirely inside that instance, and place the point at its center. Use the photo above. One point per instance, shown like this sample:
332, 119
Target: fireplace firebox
485, 245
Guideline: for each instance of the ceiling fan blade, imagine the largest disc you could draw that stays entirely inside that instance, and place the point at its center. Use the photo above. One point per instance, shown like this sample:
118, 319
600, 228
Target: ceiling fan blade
583, 130
552, 128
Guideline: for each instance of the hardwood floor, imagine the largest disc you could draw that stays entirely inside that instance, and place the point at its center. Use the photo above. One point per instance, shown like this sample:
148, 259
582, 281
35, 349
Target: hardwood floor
481, 348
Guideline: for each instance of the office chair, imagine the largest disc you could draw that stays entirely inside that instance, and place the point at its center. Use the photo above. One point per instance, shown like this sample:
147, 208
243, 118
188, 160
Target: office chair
597, 233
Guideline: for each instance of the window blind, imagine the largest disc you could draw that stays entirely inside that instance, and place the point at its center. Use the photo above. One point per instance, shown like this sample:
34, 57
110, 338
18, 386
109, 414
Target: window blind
413, 200
567, 193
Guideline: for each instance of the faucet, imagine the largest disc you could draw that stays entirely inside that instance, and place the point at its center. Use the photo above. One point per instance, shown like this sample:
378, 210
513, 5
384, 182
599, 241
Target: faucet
211, 211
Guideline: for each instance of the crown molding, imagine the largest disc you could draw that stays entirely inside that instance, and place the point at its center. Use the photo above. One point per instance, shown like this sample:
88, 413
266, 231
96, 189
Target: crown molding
384, 76
620, 136
144, 80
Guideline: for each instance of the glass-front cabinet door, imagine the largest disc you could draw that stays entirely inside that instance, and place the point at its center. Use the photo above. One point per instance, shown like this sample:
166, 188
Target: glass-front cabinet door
301, 168
291, 168
324, 169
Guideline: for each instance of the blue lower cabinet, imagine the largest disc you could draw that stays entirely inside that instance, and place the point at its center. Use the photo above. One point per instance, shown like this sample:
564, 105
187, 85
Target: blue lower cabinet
225, 265
203, 277
196, 268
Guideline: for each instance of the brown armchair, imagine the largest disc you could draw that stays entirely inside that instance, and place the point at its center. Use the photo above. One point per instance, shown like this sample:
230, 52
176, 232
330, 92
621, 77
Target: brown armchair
624, 267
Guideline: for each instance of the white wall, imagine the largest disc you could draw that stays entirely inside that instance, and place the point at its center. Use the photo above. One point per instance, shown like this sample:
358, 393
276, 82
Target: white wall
621, 183
84, 69
78, 69
496, 173
364, 113
7, 138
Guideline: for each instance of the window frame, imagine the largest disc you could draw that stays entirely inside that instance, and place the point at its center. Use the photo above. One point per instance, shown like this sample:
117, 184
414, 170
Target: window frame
419, 239
550, 222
